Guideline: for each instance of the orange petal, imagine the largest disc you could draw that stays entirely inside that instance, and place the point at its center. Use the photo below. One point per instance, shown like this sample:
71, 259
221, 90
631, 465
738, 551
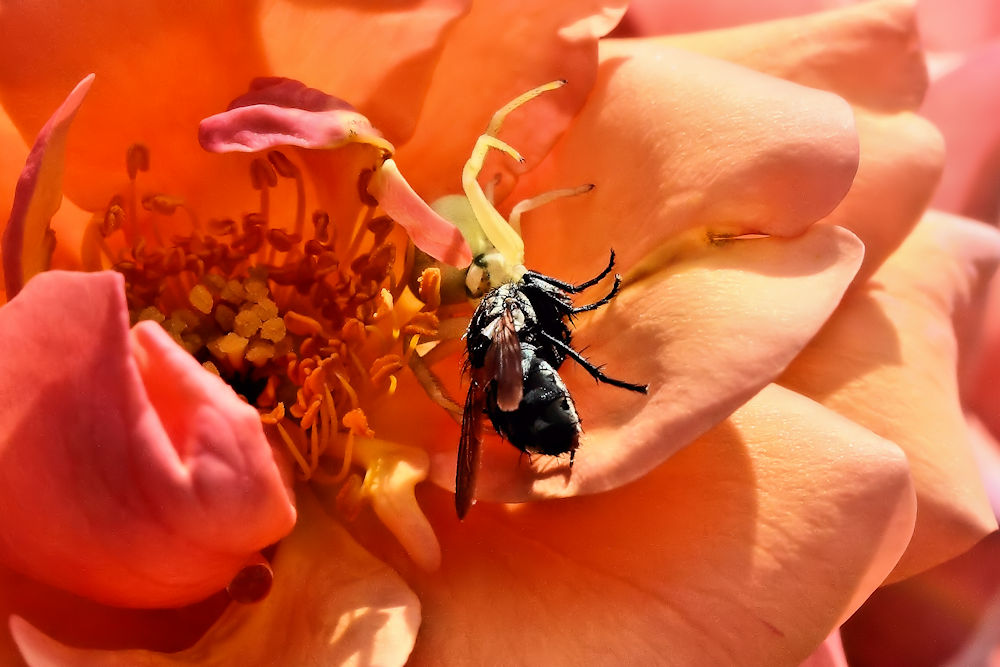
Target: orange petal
474, 77
748, 547
331, 603
160, 67
674, 142
713, 326
869, 53
901, 154
651, 17
379, 56
27, 239
887, 359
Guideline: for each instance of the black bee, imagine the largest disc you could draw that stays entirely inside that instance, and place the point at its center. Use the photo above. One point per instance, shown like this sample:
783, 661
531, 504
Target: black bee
517, 339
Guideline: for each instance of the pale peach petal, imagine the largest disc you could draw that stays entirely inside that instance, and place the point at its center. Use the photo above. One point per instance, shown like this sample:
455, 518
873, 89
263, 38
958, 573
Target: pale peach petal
161, 67
676, 142
869, 53
493, 54
331, 603
285, 112
965, 104
901, 154
829, 654
706, 331
695, 564
887, 359
27, 238
154, 479
379, 56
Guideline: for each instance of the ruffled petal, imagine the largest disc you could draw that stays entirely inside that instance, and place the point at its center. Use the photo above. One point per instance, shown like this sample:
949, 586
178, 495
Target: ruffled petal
156, 478
496, 52
380, 56
28, 241
887, 359
285, 112
725, 150
706, 331
965, 104
160, 67
331, 603
869, 54
696, 561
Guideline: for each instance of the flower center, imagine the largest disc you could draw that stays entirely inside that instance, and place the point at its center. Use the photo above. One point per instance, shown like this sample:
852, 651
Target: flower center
310, 324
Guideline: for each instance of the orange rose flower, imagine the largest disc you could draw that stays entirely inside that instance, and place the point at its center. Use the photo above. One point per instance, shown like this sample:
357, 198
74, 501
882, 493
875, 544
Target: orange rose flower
796, 447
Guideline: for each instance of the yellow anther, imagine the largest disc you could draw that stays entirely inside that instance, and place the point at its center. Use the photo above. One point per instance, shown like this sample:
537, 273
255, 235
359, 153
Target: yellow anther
210, 367
150, 313
302, 325
273, 329
225, 316
233, 292
246, 323
259, 352
230, 347
266, 309
201, 299
256, 289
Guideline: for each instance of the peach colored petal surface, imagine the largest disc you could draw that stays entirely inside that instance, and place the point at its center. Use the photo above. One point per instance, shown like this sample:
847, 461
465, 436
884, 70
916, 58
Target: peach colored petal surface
154, 475
677, 142
982, 393
901, 154
650, 17
493, 54
693, 564
332, 603
965, 104
868, 53
27, 238
887, 360
285, 112
706, 331
379, 56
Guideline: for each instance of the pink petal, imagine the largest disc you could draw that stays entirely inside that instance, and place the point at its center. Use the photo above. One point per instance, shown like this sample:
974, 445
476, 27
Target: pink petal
156, 478
965, 105
707, 331
331, 603
887, 359
284, 112
27, 242
678, 143
428, 230
982, 393
829, 654
947, 25
476, 75
748, 547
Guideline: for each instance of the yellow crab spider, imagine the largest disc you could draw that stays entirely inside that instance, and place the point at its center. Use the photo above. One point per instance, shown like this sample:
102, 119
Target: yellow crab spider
496, 243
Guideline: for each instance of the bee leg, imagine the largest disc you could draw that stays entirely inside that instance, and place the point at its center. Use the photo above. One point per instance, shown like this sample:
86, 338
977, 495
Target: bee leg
595, 371
569, 287
607, 299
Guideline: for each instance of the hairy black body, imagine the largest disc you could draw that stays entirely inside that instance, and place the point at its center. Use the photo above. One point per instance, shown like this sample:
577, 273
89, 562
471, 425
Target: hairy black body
517, 339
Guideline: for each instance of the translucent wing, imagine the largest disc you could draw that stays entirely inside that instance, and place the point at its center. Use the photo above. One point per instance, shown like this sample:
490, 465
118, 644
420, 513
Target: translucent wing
504, 362
469, 447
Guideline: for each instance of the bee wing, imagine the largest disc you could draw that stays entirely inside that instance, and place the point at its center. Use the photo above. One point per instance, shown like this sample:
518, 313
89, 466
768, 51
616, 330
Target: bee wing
507, 368
469, 447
